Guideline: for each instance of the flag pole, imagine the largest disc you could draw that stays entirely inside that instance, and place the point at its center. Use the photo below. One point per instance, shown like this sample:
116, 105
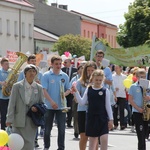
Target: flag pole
92, 47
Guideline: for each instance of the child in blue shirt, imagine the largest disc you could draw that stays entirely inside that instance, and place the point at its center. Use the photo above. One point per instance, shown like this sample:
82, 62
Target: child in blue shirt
136, 100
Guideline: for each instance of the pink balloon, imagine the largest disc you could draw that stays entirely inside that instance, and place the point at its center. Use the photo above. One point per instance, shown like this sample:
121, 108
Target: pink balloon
66, 54
4, 148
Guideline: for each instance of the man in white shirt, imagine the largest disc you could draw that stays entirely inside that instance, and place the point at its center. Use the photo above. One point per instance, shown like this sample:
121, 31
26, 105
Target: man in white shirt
118, 78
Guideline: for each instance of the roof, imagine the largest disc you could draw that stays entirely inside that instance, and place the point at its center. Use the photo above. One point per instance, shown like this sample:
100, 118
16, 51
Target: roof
55, 20
40, 34
21, 2
89, 18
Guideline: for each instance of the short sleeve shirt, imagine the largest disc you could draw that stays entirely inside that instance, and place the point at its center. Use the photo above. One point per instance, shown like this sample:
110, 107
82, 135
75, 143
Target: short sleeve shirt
81, 90
3, 77
51, 82
136, 92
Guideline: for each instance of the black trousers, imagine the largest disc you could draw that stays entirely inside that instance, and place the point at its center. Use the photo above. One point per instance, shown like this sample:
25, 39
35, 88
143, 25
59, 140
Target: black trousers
3, 112
132, 118
141, 130
121, 103
69, 99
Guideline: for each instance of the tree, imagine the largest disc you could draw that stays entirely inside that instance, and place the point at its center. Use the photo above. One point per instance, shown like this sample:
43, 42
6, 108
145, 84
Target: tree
75, 44
104, 41
136, 29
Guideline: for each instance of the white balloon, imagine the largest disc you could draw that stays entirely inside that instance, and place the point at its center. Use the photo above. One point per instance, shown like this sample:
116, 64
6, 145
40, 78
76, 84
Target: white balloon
15, 141
125, 113
63, 57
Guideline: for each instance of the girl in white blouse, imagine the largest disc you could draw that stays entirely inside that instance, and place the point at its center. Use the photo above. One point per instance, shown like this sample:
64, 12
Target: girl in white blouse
99, 114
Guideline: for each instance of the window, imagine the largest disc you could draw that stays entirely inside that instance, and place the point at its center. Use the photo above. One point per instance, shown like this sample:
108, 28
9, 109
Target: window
0, 26
16, 28
88, 34
109, 38
91, 34
84, 33
8, 27
30, 31
115, 42
112, 41
23, 29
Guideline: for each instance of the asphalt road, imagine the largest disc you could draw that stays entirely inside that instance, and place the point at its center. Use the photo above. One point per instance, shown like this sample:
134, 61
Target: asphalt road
118, 140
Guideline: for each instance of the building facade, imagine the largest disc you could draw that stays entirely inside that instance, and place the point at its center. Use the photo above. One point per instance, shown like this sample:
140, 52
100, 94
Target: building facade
16, 26
91, 26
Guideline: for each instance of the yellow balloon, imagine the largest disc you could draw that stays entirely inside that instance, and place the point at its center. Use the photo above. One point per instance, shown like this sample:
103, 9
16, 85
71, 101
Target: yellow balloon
127, 83
3, 137
130, 76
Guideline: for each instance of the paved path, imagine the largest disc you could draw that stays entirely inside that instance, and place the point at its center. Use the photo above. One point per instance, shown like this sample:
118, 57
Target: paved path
118, 140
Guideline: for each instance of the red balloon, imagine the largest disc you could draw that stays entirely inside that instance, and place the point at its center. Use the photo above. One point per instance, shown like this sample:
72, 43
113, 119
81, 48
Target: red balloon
134, 78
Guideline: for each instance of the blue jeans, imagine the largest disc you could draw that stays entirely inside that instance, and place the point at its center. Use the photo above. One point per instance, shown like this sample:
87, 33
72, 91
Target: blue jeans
61, 120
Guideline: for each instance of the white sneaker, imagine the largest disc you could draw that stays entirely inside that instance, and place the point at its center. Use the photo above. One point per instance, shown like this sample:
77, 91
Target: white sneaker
133, 129
42, 132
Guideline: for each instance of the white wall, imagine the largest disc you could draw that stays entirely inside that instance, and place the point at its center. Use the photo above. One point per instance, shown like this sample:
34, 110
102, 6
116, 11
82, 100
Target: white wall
14, 14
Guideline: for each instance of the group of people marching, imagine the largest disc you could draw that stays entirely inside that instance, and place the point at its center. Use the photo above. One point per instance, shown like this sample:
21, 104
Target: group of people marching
95, 97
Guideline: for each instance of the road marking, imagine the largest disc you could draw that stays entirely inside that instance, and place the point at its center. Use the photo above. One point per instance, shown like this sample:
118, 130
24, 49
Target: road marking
109, 145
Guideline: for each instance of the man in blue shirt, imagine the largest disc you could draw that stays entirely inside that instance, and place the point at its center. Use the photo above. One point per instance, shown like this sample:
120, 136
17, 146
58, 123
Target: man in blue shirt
3, 99
55, 83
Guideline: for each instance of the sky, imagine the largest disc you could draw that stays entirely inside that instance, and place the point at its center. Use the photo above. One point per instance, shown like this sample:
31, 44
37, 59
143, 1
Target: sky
111, 11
